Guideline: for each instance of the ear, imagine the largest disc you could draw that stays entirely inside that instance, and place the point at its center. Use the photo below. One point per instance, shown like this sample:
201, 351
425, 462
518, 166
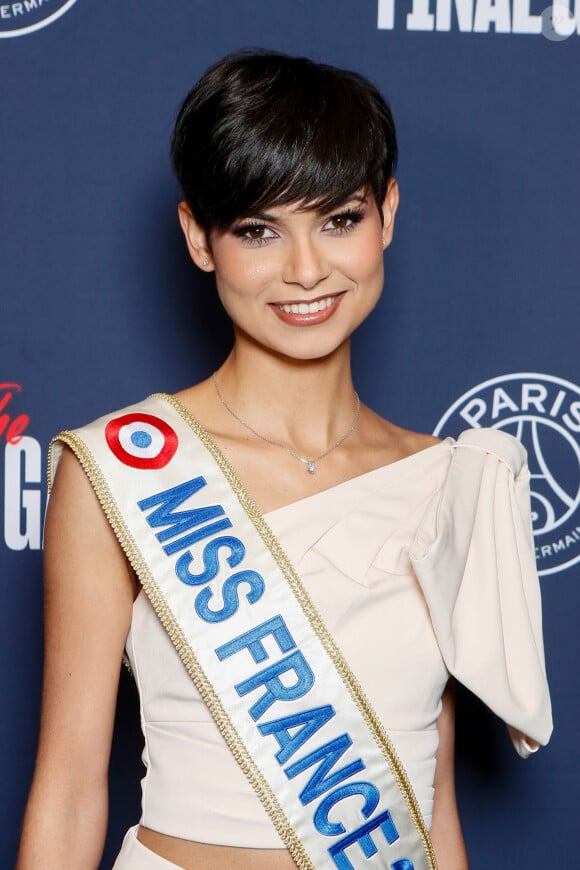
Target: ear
390, 205
196, 239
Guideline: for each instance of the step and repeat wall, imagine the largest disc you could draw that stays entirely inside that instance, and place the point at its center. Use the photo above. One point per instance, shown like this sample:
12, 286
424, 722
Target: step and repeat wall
478, 324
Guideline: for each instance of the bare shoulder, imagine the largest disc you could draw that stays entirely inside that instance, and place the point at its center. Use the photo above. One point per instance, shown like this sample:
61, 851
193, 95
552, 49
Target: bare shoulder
77, 531
72, 497
396, 440
413, 442
200, 401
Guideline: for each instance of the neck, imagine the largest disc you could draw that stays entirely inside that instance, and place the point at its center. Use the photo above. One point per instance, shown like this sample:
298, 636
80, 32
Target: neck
307, 403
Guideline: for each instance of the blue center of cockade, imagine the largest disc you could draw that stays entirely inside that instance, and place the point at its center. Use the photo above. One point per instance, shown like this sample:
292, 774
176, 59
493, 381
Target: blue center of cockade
141, 439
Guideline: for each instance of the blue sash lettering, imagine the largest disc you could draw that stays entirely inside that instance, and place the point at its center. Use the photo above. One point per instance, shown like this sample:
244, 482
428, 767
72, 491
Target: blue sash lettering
327, 755
362, 836
178, 531
230, 596
188, 527
311, 722
179, 522
365, 789
198, 534
275, 688
252, 640
210, 560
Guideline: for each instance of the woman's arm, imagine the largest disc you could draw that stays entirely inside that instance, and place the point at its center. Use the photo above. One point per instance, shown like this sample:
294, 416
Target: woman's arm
89, 596
446, 834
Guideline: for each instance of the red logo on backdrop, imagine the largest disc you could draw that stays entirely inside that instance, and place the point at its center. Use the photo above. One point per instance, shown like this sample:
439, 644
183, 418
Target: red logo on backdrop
141, 440
11, 428
21, 483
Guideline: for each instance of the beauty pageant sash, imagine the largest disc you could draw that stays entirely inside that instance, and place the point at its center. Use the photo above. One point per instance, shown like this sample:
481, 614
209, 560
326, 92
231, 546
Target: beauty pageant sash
280, 691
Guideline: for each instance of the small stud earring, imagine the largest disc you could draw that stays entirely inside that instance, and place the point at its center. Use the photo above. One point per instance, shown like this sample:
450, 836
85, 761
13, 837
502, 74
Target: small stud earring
384, 242
204, 263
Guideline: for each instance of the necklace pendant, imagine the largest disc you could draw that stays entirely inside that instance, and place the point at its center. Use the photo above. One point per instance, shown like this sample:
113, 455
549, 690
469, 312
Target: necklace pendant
311, 468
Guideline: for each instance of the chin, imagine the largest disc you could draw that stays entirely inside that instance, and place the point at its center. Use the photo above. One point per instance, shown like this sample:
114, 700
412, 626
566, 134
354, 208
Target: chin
310, 350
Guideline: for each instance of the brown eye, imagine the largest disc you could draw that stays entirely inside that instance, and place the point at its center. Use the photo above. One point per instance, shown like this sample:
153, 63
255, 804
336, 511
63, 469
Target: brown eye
344, 222
256, 232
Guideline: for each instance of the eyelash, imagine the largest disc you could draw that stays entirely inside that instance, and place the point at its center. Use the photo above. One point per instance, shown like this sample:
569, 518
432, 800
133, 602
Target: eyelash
354, 215
241, 231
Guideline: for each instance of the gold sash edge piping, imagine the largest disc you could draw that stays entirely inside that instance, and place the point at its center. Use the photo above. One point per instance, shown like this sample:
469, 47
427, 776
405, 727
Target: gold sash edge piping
318, 626
158, 602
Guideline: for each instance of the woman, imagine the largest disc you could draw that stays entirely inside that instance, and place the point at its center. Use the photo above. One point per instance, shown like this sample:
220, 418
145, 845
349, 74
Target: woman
417, 553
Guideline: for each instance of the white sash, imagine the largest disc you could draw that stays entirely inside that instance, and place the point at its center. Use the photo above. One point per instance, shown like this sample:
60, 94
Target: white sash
280, 691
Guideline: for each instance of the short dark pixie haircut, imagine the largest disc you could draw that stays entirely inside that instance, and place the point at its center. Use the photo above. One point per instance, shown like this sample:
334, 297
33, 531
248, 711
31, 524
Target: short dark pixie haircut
263, 129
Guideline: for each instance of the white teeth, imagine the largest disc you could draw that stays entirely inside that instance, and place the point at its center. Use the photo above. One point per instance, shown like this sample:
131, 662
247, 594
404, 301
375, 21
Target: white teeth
308, 307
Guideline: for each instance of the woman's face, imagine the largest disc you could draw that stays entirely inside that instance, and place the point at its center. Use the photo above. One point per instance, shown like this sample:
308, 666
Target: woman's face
299, 281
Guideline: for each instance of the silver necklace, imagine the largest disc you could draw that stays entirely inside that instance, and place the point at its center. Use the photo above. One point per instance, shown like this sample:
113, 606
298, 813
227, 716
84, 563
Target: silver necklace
309, 463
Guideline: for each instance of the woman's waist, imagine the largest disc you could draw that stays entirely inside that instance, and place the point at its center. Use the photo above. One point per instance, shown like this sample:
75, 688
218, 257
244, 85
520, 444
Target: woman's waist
195, 790
193, 855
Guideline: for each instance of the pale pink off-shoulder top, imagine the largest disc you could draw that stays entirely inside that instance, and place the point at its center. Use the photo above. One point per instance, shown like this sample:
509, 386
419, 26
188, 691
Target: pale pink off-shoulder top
421, 569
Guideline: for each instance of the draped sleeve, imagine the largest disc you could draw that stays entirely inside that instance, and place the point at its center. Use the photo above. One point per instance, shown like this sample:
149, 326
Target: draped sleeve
473, 556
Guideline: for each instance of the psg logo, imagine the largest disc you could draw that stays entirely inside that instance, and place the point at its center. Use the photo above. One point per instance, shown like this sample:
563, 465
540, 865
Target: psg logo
20, 19
543, 412
141, 440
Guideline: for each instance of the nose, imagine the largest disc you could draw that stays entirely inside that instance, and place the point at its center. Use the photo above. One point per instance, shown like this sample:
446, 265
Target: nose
305, 263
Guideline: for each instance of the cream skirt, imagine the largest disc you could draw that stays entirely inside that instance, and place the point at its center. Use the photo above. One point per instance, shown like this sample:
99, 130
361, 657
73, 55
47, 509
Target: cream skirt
135, 856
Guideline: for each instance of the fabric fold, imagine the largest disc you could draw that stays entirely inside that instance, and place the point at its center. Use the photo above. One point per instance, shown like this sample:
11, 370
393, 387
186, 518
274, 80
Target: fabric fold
473, 556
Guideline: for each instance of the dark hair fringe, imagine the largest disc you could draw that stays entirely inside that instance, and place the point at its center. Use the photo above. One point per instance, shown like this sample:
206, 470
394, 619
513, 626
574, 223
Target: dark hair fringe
263, 129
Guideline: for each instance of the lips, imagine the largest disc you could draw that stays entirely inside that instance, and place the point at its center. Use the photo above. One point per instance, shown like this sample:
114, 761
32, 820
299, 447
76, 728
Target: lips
301, 313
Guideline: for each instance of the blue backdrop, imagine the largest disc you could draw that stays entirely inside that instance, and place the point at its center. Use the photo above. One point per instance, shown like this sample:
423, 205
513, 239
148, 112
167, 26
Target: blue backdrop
478, 324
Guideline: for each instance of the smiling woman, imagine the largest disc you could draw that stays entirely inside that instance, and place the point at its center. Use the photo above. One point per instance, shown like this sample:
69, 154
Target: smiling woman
288, 215
293, 635
299, 265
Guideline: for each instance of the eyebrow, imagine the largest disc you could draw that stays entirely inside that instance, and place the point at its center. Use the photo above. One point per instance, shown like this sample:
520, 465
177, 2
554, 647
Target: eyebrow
258, 216
264, 216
